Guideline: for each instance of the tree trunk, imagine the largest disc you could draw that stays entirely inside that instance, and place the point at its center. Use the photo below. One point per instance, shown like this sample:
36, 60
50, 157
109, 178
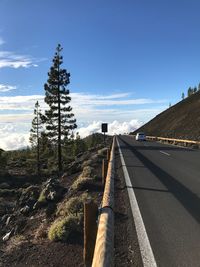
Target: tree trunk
59, 126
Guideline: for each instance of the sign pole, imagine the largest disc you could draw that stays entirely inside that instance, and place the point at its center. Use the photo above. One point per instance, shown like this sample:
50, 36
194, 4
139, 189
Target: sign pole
104, 129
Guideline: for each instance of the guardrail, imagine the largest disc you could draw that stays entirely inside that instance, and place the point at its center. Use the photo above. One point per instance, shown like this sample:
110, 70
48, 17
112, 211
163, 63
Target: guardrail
104, 247
173, 140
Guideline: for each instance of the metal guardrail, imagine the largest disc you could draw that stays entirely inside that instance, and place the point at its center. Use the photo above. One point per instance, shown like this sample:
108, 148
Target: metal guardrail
173, 140
104, 247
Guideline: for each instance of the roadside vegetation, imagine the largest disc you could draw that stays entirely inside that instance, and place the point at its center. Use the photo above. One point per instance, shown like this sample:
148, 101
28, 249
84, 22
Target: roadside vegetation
43, 187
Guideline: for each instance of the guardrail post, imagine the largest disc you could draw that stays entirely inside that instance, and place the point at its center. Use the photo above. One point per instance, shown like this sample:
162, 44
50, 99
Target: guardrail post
90, 231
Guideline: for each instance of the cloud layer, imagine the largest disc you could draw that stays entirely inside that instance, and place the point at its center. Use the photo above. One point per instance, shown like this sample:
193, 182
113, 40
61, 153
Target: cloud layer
13, 136
6, 88
123, 113
114, 127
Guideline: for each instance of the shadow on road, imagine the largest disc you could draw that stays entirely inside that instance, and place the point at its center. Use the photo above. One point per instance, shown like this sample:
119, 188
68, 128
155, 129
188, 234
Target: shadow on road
187, 198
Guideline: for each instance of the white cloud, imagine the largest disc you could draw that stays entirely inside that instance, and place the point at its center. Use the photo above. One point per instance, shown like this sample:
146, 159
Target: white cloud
20, 102
6, 88
114, 127
16, 118
13, 60
13, 137
115, 99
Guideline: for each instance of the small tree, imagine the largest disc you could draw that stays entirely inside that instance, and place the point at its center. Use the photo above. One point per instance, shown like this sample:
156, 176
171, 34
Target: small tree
79, 145
36, 132
183, 96
59, 119
190, 91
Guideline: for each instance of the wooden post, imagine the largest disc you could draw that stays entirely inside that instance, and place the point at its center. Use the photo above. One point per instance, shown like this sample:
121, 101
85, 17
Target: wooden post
104, 170
90, 231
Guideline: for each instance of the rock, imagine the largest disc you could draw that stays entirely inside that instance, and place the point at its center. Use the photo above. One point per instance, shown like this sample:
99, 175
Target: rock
51, 195
4, 218
29, 196
7, 236
8, 220
25, 209
4, 186
53, 190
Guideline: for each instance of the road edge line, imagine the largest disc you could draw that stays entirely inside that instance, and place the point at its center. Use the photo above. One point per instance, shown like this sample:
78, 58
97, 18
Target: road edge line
144, 244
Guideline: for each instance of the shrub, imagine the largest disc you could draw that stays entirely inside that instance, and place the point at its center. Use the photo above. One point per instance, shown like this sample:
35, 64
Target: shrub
85, 179
61, 229
102, 152
73, 206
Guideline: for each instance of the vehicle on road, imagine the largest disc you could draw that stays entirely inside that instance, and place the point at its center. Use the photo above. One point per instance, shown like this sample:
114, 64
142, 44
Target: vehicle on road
140, 137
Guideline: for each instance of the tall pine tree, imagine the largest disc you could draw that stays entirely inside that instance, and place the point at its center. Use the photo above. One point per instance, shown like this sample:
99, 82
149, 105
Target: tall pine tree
59, 119
36, 132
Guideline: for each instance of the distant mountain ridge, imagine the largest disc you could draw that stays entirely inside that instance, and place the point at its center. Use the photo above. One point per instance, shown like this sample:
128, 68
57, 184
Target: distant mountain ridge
179, 121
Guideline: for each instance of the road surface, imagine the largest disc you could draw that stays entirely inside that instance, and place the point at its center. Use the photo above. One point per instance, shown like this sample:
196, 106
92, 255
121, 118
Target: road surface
166, 182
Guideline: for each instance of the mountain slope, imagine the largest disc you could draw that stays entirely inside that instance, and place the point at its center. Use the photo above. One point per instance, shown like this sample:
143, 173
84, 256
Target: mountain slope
179, 121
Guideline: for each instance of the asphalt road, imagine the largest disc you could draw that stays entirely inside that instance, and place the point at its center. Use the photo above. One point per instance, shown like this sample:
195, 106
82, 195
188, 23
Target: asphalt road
166, 181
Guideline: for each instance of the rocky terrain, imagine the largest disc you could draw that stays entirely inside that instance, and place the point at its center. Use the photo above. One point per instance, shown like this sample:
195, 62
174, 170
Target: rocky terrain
179, 121
42, 219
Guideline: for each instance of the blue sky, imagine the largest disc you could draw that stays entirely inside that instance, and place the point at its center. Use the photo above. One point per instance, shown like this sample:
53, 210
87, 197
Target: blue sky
127, 59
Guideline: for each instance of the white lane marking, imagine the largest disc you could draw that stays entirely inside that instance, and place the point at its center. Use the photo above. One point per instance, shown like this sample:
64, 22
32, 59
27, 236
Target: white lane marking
165, 153
145, 247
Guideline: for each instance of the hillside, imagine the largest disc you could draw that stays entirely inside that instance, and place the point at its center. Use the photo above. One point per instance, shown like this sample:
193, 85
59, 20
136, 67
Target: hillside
179, 121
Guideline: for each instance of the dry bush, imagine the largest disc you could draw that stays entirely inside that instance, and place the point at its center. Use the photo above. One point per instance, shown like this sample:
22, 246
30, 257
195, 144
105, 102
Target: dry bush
73, 206
81, 183
102, 152
61, 229
86, 163
84, 180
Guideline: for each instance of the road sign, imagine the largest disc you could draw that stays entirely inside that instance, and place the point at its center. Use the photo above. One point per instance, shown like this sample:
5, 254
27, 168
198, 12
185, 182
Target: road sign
104, 127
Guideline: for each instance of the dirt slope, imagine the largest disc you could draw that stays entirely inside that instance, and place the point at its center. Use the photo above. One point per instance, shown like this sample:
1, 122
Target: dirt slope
179, 121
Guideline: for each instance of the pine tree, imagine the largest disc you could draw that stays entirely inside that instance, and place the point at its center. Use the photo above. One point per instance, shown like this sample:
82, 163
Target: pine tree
183, 96
79, 146
190, 91
59, 119
36, 132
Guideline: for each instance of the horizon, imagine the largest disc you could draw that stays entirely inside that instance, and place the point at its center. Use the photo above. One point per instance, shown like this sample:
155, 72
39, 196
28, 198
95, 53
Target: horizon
127, 61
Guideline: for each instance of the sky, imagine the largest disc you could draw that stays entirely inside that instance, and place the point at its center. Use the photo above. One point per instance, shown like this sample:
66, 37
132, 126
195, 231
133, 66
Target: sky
127, 59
